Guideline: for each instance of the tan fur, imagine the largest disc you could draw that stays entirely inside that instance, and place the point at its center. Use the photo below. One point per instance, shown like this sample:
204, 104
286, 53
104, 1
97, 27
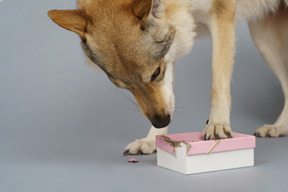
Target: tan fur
153, 95
133, 40
126, 65
75, 21
222, 26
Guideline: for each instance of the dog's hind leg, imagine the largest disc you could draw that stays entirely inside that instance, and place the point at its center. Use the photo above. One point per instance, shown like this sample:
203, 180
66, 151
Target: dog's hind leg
270, 35
146, 145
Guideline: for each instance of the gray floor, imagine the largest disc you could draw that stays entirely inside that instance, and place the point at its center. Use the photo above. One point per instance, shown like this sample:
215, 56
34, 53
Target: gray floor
63, 127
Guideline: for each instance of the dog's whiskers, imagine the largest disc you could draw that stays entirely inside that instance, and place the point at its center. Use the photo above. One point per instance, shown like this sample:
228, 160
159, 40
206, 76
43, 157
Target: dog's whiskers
178, 98
134, 106
132, 102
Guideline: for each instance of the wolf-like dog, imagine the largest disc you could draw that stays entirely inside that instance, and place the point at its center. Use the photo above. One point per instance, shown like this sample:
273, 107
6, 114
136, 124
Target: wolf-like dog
136, 43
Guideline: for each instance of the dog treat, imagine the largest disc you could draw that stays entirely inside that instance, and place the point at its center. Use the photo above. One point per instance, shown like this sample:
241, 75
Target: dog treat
188, 153
133, 160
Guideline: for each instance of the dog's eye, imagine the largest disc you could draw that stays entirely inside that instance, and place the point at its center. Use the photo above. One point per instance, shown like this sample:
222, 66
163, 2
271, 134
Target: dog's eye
155, 74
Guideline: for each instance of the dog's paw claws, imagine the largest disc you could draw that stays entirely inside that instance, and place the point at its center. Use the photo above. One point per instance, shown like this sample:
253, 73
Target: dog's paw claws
271, 131
126, 152
140, 147
217, 131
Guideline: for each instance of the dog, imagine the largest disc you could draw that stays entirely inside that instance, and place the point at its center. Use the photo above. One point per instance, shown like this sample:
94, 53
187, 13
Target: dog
136, 43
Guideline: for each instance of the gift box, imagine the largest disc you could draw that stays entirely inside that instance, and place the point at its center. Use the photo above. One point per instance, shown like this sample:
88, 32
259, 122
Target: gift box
188, 153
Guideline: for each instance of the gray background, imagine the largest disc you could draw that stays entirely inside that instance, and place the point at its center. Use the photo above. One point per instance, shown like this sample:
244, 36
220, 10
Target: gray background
64, 127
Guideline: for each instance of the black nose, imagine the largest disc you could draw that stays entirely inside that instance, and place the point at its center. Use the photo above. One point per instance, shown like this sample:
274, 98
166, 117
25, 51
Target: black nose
161, 121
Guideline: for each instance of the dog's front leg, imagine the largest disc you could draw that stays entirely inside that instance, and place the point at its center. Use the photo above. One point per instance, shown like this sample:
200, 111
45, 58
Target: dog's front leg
222, 28
146, 145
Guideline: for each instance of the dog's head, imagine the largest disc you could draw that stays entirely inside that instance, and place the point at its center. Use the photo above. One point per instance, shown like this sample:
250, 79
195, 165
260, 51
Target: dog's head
131, 42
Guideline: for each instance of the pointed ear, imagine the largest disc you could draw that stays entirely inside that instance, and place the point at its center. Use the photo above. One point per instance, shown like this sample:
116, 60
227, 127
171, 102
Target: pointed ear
142, 8
73, 20
151, 13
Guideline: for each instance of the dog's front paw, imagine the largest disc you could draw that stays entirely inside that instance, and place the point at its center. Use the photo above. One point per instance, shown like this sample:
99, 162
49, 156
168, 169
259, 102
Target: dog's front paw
217, 131
271, 131
140, 147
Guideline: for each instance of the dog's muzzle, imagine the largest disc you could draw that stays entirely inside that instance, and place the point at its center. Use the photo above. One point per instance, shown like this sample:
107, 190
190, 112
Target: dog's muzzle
161, 121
